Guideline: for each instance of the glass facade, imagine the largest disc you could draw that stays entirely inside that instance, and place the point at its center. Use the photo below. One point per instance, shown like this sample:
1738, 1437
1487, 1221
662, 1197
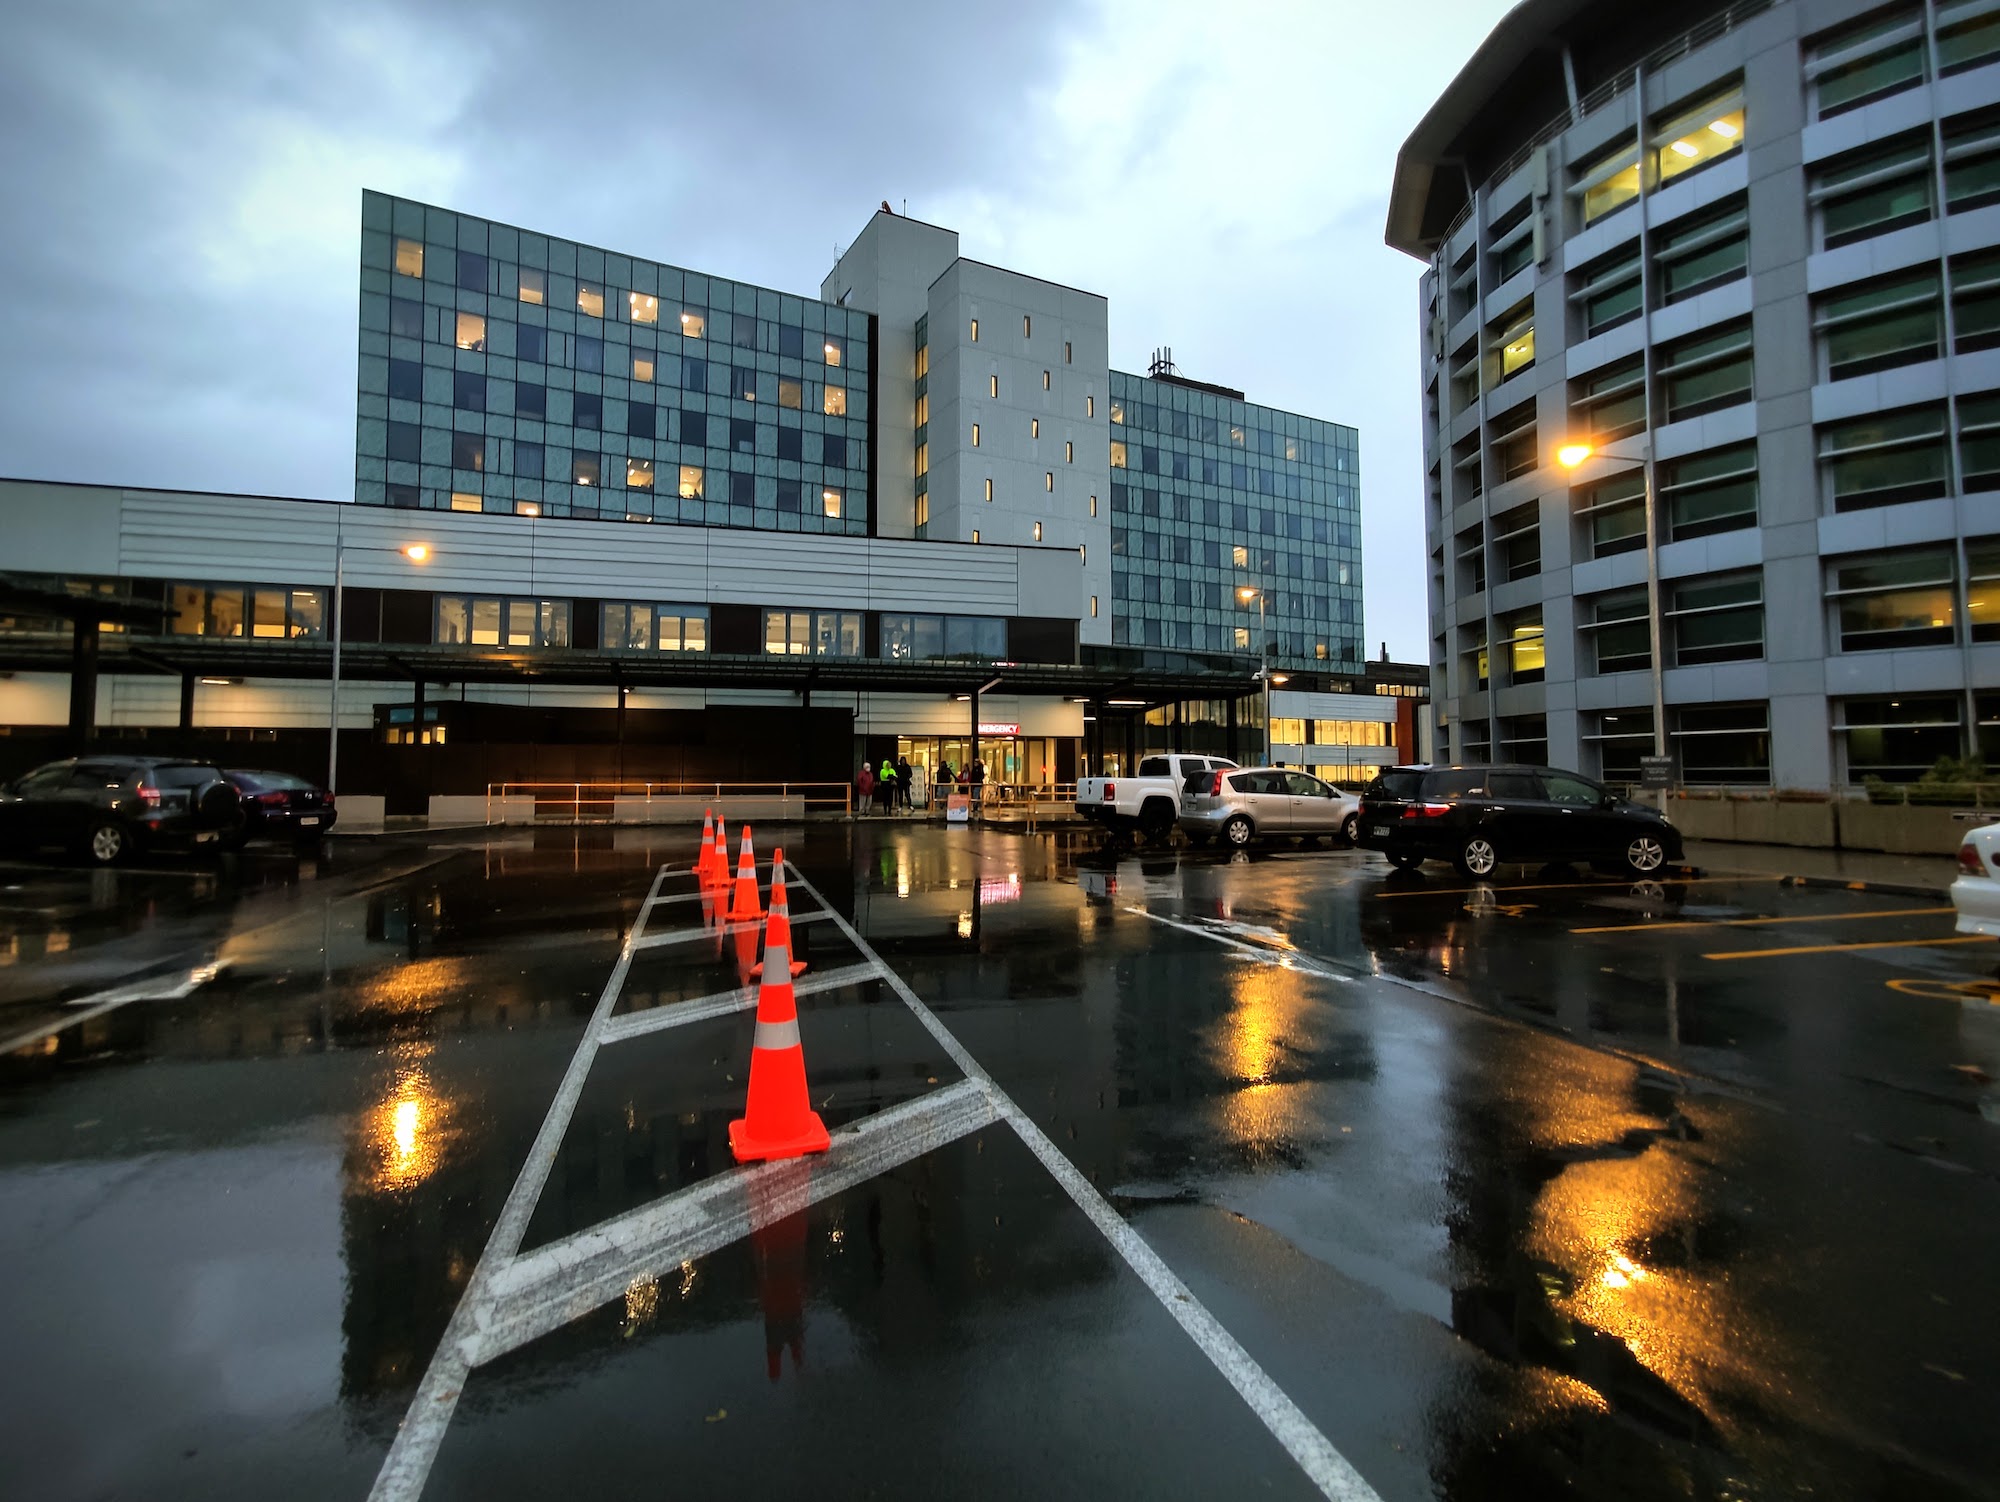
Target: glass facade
505, 370
1217, 505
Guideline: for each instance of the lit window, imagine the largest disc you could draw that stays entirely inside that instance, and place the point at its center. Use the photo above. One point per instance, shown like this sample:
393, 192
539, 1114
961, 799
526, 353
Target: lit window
463, 500
642, 367
975, 331
644, 309
829, 502
526, 508
1069, 452
586, 469
694, 323
638, 474
923, 359
1090, 406
1118, 412
835, 404
923, 458
1713, 128
1093, 607
1242, 636
1514, 343
534, 285
1038, 531
975, 435
409, 258
1027, 327
691, 477
993, 385
989, 490
590, 299
975, 534
835, 350
1045, 380
471, 331
1034, 427
1240, 557
791, 393
1049, 480
1238, 436
1117, 454
1093, 505
1609, 182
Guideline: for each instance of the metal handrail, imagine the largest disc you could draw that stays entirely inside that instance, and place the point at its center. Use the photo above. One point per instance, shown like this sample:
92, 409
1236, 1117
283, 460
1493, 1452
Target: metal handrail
598, 802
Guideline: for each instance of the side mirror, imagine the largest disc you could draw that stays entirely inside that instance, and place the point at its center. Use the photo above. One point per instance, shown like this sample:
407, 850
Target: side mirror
1610, 801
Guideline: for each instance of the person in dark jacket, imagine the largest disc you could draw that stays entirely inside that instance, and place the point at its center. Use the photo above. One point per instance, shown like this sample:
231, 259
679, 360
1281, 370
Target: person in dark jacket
978, 780
903, 781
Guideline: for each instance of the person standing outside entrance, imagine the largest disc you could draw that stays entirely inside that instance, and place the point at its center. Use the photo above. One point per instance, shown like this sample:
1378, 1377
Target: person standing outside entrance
903, 781
978, 781
885, 786
864, 787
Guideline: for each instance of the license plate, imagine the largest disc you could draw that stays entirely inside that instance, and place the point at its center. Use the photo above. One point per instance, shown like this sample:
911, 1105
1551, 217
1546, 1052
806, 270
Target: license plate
204, 836
308, 819
1379, 831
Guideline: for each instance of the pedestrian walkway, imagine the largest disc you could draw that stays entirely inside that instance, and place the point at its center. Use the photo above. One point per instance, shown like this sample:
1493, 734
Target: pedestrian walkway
1927, 874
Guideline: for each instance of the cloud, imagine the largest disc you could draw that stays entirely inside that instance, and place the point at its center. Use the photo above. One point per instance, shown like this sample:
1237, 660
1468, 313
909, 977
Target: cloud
177, 289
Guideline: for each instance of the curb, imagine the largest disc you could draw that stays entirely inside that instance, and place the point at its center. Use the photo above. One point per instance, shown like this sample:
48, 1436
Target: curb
1887, 888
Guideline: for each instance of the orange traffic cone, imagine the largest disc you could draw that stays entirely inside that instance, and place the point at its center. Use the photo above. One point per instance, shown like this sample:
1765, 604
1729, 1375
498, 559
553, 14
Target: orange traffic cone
704, 866
780, 927
778, 1121
744, 906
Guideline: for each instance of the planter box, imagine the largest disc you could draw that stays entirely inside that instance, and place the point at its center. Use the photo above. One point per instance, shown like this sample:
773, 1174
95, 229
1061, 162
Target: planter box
1902, 830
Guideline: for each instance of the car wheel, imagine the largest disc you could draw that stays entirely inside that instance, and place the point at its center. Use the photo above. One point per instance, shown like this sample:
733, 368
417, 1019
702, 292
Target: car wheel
1155, 821
106, 843
1403, 860
1238, 831
1477, 856
1350, 828
1645, 855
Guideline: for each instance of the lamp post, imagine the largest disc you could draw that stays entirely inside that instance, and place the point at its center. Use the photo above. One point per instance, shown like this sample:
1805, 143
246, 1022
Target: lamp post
416, 552
1570, 456
1244, 593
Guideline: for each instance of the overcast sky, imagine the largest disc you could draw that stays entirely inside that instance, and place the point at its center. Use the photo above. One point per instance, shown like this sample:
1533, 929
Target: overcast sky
178, 266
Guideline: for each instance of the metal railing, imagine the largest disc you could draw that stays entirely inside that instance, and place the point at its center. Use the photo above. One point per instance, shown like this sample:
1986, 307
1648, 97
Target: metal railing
1979, 796
660, 802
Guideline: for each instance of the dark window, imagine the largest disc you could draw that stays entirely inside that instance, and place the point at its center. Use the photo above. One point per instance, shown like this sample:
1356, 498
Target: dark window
530, 400
531, 343
471, 271
743, 435
406, 441
639, 420
589, 410
406, 318
788, 443
468, 390
743, 330
743, 385
836, 451
406, 380
742, 489
1515, 785
791, 341
403, 497
528, 461
468, 451
1450, 785
589, 353
694, 429
694, 374
788, 495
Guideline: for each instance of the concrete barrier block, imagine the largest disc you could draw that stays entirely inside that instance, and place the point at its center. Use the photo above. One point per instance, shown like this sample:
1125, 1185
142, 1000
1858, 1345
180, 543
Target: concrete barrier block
449, 808
358, 814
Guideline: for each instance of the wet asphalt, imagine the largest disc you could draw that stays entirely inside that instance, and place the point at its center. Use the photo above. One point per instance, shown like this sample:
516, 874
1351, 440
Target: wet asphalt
1550, 1186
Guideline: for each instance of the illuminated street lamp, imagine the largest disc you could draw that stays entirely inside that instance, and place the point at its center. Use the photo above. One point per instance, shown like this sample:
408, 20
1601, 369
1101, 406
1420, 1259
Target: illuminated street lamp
1623, 456
416, 552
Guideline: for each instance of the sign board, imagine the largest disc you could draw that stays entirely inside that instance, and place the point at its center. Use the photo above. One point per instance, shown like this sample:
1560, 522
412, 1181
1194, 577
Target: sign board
1656, 771
957, 809
999, 727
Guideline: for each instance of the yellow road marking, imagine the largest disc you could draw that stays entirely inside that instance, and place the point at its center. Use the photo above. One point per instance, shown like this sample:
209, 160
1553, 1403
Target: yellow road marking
1887, 912
1758, 954
1942, 990
1609, 884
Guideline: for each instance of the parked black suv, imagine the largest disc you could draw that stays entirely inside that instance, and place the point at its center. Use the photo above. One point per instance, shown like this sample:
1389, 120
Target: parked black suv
107, 807
1479, 817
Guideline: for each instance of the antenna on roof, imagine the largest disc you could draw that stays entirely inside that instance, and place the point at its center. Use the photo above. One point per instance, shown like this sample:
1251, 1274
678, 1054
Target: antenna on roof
1163, 362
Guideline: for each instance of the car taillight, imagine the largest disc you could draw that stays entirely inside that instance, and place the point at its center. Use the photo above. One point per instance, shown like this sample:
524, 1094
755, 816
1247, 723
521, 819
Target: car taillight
327, 800
271, 800
150, 796
1110, 790
1215, 788
1968, 860
1426, 810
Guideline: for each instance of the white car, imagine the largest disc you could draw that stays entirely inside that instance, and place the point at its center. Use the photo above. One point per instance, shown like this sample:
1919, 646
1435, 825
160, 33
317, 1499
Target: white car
1976, 893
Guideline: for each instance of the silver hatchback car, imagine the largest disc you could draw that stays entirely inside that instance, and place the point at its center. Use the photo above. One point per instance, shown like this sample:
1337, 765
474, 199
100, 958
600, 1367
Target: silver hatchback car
1250, 803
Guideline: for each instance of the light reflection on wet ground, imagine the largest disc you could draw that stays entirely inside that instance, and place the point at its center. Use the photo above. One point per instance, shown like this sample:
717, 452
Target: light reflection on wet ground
1507, 1209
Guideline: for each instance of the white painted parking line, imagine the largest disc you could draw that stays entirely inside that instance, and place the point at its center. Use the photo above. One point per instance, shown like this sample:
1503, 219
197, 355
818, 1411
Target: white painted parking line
408, 1463
694, 935
1315, 1454
174, 986
1262, 953
741, 999
545, 1289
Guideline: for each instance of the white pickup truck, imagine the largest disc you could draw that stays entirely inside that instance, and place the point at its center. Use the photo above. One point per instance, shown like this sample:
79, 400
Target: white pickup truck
1149, 801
